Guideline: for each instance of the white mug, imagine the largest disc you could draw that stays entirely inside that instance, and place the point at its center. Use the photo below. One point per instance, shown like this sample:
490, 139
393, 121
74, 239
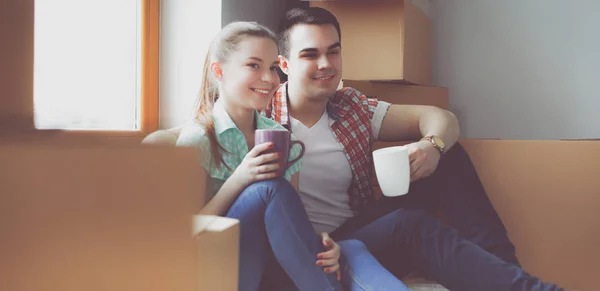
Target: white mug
393, 170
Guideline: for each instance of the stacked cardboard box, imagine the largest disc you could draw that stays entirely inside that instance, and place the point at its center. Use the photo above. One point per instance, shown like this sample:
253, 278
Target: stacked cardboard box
383, 40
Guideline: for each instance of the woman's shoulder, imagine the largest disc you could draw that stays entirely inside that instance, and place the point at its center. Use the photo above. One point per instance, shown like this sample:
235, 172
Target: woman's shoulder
192, 134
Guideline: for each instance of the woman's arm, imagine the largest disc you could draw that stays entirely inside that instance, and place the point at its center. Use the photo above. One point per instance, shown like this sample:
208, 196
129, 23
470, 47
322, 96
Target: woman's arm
296, 181
222, 201
255, 167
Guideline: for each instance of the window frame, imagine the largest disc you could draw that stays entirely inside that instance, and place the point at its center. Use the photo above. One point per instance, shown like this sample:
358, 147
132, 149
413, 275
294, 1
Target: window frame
149, 77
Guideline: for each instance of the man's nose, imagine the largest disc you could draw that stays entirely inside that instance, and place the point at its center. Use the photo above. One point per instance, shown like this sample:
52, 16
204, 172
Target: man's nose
324, 62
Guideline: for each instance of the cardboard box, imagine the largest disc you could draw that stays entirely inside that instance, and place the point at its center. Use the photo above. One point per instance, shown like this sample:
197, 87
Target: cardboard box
402, 93
76, 216
218, 252
547, 194
383, 40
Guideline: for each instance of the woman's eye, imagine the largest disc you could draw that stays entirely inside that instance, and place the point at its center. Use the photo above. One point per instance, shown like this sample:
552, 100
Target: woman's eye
274, 68
254, 66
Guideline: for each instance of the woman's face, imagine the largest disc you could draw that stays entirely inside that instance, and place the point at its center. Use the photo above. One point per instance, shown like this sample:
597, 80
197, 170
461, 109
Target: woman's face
249, 77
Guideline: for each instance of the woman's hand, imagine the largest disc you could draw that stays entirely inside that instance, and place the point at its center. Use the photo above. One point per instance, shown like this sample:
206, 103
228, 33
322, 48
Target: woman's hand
257, 166
330, 259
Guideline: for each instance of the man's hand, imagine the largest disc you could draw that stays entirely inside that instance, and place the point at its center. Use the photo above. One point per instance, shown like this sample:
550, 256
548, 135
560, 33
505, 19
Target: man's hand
330, 259
424, 159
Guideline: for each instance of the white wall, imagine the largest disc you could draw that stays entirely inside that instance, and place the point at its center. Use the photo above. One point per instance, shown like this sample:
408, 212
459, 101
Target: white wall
187, 27
520, 69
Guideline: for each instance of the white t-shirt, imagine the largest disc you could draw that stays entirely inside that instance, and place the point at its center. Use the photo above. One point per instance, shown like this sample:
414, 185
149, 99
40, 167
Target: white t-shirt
325, 175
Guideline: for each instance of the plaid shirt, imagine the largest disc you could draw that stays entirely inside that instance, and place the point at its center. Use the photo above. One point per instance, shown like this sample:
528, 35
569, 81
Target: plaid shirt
352, 112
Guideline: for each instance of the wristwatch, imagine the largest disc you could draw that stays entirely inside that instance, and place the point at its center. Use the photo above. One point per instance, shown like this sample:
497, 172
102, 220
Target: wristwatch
437, 142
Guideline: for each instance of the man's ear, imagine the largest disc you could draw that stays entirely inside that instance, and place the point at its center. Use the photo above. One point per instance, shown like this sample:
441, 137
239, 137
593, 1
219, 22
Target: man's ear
215, 68
283, 64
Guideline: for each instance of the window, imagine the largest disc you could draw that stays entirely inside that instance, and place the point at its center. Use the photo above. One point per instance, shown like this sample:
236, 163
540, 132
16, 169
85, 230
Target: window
96, 65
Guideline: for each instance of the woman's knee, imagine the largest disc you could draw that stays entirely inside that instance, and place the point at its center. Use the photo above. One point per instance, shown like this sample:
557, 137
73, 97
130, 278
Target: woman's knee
266, 190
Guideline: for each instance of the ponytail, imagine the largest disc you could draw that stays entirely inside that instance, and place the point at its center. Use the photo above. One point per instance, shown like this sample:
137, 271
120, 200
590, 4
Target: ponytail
207, 97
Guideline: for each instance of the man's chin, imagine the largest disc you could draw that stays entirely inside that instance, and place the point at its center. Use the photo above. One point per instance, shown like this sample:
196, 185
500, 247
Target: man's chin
323, 93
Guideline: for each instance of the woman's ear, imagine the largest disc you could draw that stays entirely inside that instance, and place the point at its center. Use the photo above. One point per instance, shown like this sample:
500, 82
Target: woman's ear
215, 68
283, 64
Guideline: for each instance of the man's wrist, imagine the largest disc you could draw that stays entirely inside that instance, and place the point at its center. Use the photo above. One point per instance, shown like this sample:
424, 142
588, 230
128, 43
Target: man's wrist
436, 142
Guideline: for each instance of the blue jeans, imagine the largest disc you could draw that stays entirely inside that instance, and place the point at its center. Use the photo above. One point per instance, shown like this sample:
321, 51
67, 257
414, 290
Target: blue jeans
278, 242
475, 254
406, 239
455, 191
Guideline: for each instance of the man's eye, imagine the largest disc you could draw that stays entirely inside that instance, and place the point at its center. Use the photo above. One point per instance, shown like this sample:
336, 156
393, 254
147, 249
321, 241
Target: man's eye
309, 56
334, 52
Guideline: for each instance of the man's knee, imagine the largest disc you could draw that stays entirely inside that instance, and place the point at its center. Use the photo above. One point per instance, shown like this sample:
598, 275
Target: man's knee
416, 221
455, 155
456, 150
451, 164
410, 215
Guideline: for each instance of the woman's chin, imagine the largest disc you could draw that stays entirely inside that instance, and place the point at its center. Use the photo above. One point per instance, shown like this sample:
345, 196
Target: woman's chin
260, 105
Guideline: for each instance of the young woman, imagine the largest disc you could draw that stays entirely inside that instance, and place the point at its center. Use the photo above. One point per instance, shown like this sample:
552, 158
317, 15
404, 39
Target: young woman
240, 77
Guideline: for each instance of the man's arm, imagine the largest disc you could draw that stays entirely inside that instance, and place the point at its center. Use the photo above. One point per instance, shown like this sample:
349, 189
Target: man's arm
412, 122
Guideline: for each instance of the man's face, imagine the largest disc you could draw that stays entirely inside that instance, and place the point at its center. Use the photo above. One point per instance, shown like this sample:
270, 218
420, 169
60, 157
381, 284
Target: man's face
314, 65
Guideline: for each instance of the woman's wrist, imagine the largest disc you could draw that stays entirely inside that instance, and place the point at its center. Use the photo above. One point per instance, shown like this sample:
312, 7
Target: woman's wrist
237, 179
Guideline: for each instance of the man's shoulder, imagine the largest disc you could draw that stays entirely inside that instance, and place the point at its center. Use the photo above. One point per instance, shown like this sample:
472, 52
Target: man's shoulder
349, 94
348, 100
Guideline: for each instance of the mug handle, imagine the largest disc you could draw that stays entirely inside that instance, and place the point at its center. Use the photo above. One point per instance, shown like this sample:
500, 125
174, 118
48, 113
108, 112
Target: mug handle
290, 163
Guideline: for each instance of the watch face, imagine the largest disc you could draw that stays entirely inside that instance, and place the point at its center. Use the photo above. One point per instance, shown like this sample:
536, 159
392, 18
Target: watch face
438, 141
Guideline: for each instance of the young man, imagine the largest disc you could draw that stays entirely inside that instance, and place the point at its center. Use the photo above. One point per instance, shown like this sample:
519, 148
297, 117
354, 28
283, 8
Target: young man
339, 127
